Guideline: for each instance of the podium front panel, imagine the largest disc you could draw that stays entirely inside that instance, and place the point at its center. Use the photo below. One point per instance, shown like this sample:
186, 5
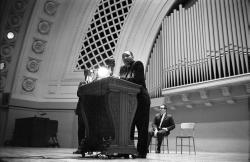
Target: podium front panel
108, 107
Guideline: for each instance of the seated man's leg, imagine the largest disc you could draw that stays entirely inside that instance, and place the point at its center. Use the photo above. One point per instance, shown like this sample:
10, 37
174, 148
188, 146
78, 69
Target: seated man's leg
160, 136
150, 135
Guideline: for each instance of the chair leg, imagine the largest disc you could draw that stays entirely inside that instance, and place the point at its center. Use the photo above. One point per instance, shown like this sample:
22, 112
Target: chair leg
194, 146
189, 146
150, 146
155, 144
163, 144
152, 143
181, 145
167, 145
176, 145
149, 149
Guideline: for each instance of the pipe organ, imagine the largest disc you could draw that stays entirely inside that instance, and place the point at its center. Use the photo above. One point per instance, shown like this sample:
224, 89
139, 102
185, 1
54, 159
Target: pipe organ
207, 41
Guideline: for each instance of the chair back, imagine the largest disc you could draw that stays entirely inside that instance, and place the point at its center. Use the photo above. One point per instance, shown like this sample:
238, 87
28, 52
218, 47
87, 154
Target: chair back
187, 129
187, 132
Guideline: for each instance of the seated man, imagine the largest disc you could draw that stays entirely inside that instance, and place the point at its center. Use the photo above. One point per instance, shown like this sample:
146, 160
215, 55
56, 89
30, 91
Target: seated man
162, 125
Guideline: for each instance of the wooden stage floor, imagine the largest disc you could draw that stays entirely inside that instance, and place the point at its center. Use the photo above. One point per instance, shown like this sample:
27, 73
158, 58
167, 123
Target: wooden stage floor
18, 154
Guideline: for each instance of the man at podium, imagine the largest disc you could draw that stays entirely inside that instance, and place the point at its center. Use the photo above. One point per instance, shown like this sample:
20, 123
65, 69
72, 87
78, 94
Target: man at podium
81, 126
133, 71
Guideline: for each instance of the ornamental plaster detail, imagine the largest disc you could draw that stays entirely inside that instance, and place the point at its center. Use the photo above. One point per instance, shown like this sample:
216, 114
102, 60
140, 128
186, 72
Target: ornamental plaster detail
11, 24
50, 7
29, 84
2, 82
44, 27
33, 65
38, 45
5, 51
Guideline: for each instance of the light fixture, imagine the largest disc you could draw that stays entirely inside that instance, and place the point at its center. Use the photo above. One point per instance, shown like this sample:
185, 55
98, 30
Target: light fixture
103, 72
172, 108
2, 65
189, 106
90, 75
209, 104
230, 101
10, 35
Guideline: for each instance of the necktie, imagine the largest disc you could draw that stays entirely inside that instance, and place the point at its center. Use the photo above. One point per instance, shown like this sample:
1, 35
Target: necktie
162, 119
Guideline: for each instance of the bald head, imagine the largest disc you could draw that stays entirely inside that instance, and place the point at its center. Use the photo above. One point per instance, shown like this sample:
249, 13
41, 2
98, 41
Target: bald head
127, 57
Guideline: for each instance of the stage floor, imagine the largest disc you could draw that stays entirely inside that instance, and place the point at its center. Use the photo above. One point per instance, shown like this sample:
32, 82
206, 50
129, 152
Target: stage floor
20, 154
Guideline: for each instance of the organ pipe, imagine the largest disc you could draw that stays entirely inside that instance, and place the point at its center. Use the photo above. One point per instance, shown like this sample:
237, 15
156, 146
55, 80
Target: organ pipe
206, 41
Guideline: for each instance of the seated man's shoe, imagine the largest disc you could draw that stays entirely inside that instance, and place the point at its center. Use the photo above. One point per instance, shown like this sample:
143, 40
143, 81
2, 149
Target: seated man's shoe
90, 153
141, 156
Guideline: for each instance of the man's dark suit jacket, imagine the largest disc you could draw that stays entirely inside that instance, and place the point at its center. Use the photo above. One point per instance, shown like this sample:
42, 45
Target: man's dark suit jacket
135, 74
168, 122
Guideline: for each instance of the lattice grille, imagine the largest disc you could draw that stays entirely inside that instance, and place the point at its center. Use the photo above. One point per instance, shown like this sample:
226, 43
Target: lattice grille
103, 32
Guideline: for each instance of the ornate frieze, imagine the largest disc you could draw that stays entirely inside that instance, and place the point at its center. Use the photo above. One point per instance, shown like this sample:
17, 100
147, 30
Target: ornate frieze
50, 7
15, 20
184, 97
33, 65
168, 99
203, 94
2, 82
20, 5
5, 50
248, 87
44, 27
38, 46
11, 27
29, 84
225, 91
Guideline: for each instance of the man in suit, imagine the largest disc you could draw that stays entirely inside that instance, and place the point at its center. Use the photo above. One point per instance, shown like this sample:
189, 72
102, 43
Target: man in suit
81, 126
133, 71
162, 125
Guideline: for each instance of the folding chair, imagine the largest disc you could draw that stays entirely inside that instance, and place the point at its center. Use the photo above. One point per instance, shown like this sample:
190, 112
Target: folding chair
187, 132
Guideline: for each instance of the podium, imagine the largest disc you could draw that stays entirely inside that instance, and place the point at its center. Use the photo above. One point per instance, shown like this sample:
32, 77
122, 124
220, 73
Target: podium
108, 107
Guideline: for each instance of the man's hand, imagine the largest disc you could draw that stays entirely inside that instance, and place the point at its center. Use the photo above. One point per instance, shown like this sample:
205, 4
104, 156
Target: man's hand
155, 132
116, 76
82, 83
166, 129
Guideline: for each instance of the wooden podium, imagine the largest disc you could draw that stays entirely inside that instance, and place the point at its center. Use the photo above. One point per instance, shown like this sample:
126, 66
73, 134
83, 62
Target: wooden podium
108, 107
